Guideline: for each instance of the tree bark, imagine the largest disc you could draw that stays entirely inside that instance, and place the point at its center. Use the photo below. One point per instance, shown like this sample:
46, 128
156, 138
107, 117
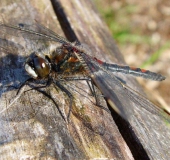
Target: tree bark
33, 128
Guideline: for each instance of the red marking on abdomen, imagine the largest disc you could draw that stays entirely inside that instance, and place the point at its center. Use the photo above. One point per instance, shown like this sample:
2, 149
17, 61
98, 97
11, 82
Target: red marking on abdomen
143, 70
99, 61
136, 69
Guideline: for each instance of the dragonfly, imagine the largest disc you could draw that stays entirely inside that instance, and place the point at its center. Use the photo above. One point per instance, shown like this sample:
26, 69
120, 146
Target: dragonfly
74, 58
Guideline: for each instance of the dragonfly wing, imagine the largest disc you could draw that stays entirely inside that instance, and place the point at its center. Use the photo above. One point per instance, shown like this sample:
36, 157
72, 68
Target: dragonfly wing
143, 102
32, 32
109, 85
113, 92
10, 47
121, 97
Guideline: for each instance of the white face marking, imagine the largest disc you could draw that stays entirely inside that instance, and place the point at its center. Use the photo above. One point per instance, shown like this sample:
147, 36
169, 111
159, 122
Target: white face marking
43, 65
30, 71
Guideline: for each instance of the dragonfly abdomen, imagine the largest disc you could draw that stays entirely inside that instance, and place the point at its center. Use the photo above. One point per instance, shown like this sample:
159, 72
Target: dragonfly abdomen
134, 71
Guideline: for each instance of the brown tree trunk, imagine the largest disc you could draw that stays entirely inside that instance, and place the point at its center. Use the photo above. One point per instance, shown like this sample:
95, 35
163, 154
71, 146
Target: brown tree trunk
33, 128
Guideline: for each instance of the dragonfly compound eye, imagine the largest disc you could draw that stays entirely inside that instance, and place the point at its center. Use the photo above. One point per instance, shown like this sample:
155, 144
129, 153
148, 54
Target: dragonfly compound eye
37, 67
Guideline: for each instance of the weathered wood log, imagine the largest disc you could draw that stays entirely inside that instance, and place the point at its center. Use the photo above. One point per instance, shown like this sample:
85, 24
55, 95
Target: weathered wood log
33, 127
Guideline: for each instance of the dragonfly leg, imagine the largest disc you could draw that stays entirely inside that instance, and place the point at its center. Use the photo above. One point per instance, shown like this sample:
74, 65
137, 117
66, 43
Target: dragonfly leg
93, 91
49, 81
68, 94
23, 84
49, 96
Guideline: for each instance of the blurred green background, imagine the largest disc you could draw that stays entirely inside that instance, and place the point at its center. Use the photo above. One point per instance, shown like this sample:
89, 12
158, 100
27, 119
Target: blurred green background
141, 30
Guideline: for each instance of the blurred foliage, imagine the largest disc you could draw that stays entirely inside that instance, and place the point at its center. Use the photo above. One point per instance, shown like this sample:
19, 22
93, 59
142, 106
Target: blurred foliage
118, 17
119, 24
155, 56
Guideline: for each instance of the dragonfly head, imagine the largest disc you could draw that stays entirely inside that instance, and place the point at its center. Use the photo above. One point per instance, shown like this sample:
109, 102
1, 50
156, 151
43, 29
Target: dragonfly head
37, 67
